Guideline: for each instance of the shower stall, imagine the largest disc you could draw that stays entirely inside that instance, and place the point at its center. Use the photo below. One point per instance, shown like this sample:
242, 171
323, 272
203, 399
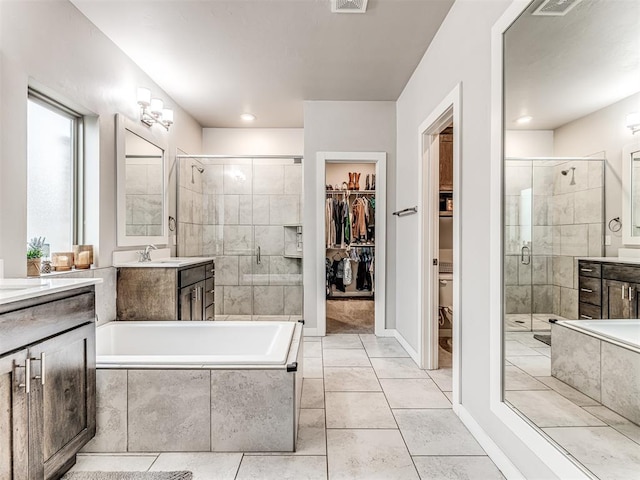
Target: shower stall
553, 214
245, 212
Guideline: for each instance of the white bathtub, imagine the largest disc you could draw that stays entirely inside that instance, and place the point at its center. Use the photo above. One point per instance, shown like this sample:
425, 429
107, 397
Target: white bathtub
626, 332
193, 343
198, 386
600, 358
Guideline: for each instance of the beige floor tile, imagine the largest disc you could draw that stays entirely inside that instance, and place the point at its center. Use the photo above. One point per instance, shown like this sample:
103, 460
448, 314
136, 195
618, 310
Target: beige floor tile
313, 339
368, 455
382, 346
312, 349
351, 379
282, 467
513, 347
516, 379
204, 465
443, 378
621, 424
436, 432
358, 410
568, 392
457, 468
397, 368
536, 365
345, 357
342, 341
604, 451
413, 393
312, 393
449, 395
547, 408
312, 368
113, 463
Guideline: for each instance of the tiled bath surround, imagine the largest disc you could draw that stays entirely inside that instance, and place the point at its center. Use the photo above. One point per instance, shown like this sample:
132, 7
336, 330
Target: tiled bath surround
558, 222
199, 409
144, 196
230, 209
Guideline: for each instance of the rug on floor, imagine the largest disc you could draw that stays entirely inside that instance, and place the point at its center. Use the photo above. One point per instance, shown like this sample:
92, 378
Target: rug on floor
183, 475
350, 316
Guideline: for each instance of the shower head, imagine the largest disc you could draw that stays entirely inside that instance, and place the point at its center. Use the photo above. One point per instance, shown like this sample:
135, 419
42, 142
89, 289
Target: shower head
200, 169
573, 174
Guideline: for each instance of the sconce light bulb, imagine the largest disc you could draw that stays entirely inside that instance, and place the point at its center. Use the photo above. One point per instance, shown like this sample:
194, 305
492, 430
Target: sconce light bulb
144, 97
167, 116
633, 121
156, 107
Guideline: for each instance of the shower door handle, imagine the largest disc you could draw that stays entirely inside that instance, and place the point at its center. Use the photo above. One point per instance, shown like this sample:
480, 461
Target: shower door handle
525, 255
258, 256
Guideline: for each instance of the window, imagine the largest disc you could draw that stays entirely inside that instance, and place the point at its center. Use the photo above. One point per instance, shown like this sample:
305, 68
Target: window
54, 173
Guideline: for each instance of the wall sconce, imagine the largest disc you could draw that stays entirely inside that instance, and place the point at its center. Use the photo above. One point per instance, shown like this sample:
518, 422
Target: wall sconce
152, 110
633, 122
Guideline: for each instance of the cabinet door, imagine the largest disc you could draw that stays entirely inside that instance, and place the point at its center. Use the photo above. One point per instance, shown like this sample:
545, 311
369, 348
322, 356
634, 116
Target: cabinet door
615, 299
14, 421
62, 400
197, 301
185, 303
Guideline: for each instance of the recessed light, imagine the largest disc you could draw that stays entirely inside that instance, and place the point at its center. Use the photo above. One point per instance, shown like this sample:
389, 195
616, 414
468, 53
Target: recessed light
524, 119
248, 117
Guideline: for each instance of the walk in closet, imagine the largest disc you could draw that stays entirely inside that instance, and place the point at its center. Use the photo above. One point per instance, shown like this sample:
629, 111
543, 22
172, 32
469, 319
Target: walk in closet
350, 247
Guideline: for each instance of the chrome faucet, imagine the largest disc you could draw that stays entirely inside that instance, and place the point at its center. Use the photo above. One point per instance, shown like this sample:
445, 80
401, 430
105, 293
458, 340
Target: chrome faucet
145, 255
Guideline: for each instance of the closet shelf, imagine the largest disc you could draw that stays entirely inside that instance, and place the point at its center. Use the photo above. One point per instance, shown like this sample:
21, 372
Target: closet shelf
350, 192
364, 293
446, 214
353, 245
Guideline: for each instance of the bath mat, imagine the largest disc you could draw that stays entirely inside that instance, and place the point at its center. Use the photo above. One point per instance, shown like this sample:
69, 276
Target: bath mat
543, 338
128, 476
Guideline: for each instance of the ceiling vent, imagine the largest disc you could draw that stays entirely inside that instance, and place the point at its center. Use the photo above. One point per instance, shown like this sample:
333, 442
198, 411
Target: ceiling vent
349, 6
555, 8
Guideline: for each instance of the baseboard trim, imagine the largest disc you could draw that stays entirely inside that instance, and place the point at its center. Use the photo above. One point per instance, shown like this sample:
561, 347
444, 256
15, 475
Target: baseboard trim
410, 350
508, 469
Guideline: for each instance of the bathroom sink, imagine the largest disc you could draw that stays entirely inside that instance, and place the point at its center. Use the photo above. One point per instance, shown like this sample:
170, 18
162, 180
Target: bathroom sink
19, 284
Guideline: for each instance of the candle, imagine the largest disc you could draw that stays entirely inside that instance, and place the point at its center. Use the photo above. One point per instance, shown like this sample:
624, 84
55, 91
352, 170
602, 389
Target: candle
62, 260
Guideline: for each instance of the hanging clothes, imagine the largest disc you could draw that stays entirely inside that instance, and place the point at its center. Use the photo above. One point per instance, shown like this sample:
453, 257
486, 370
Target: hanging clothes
348, 274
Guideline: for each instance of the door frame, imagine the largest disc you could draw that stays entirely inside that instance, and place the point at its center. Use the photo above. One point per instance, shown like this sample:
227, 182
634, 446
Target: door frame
379, 279
448, 111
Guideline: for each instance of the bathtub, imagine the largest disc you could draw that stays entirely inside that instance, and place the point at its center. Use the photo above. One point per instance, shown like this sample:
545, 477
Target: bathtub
188, 344
600, 358
198, 386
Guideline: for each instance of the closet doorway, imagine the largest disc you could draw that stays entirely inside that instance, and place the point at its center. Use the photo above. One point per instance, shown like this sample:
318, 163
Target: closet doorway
352, 242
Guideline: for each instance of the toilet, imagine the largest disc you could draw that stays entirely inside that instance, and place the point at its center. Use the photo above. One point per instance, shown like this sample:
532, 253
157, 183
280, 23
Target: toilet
445, 298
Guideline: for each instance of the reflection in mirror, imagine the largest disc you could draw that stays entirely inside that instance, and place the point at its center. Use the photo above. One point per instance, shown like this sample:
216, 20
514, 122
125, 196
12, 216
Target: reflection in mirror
141, 185
144, 180
576, 378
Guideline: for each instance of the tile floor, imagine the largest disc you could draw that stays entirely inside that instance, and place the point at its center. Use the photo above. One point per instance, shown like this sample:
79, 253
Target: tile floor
524, 322
368, 412
603, 441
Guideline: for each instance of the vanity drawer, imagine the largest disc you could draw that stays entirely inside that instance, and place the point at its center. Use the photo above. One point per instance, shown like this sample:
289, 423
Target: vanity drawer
189, 276
208, 292
588, 311
590, 290
209, 313
589, 269
621, 272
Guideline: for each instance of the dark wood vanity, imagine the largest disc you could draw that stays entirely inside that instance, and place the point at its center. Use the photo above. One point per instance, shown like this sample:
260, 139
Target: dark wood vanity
608, 289
47, 382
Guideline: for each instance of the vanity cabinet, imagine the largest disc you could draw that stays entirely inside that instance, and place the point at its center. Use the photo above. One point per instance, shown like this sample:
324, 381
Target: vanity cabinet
608, 289
166, 293
47, 385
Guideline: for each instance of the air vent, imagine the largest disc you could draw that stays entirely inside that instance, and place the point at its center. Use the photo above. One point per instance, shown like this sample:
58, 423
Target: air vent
349, 6
555, 8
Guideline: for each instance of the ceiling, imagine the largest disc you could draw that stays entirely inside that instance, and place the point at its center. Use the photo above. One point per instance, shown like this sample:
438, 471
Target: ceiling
558, 69
220, 58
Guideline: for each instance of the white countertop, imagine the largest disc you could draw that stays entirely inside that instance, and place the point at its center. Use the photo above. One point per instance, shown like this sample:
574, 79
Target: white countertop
15, 289
630, 260
167, 262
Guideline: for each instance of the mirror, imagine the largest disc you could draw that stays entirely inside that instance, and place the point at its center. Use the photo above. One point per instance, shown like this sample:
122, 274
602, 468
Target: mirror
141, 185
570, 77
631, 194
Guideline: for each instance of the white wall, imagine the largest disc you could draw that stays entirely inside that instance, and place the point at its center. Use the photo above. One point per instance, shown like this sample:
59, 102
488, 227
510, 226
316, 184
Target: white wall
52, 46
346, 127
460, 52
253, 141
602, 131
528, 143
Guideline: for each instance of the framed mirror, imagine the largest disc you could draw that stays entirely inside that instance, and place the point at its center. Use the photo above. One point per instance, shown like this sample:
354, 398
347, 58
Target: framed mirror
142, 203
631, 194
569, 76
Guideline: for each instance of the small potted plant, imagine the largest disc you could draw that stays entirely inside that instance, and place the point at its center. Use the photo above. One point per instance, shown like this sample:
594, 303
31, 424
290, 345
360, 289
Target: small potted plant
34, 256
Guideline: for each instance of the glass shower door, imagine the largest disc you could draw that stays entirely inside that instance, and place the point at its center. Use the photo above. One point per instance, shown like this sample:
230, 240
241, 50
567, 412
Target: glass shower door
518, 231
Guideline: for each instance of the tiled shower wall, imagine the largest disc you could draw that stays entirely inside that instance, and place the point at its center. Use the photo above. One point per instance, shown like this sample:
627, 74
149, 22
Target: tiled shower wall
563, 222
190, 208
144, 196
239, 205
